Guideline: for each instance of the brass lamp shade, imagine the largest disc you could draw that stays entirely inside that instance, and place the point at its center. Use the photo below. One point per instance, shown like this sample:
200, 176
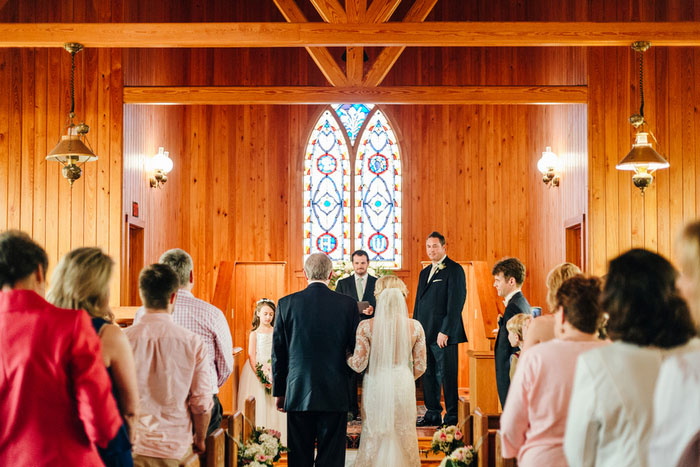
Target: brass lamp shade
642, 155
71, 150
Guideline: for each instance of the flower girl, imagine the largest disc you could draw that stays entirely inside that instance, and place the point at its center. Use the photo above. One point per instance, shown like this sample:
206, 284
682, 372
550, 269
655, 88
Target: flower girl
256, 377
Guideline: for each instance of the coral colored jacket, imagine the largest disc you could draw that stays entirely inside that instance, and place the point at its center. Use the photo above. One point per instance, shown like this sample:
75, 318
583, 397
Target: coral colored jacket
55, 394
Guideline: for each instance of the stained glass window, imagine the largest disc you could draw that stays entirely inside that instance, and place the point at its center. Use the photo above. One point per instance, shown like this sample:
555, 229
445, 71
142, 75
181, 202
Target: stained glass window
327, 191
352, 116
373, 203
378, 193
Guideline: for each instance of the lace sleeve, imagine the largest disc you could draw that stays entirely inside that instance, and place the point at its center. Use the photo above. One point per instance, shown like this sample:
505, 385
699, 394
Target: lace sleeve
419, 352
358, 360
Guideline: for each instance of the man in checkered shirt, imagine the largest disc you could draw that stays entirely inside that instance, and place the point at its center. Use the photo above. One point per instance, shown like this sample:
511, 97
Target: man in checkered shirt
203, 319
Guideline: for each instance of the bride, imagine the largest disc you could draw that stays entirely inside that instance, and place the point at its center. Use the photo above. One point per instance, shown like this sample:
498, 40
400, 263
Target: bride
394, 346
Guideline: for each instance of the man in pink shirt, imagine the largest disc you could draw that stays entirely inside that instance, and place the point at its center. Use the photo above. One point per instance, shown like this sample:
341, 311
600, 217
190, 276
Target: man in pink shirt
172, 373
203, 319
56, 399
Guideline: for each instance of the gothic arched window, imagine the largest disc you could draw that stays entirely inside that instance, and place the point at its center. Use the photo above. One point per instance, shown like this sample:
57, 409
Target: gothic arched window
357, 135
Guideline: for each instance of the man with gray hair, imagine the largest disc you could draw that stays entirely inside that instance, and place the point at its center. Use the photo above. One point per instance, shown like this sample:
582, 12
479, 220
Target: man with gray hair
203, 319
314, 331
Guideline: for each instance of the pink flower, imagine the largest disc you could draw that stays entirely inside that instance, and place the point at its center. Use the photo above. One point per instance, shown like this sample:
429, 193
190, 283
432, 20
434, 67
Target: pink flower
261, 458
458, 434
443, 437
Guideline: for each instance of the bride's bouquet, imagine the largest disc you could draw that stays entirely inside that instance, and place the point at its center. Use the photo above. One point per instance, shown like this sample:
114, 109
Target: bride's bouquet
263, 449
460, 457
446, 439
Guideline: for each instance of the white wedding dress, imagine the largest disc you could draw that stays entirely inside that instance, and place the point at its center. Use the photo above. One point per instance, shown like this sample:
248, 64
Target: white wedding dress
394, 346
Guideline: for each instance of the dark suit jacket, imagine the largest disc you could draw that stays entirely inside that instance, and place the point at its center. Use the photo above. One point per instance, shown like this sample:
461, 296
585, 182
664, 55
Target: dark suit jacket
503, 349
347, 287
439, 303
314, 331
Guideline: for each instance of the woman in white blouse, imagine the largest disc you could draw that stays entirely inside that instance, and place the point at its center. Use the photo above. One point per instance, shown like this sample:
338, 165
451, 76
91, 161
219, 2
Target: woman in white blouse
676, 400
610, 413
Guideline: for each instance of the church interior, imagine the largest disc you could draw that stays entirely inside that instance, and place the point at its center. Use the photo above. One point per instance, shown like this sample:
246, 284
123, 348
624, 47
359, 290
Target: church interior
474, 93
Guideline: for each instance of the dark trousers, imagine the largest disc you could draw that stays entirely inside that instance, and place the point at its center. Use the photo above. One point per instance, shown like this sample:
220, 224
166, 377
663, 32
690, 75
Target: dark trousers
352, 388
217, 413
443, 365
327, 429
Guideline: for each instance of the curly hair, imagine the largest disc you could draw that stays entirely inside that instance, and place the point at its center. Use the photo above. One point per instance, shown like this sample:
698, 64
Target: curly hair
510, 267
554, 280
579, 298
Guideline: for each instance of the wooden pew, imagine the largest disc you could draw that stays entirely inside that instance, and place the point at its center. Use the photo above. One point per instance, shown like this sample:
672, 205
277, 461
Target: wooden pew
124, 315
464, 420
485, 429
215, 454
500, 461
249, 413
235, 432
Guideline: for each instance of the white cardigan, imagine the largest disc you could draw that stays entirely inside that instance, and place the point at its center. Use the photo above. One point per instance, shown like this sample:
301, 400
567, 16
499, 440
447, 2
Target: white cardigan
610, 414
676, 408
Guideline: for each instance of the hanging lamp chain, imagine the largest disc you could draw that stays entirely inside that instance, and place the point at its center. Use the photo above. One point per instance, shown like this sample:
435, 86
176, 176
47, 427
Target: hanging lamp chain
637, 120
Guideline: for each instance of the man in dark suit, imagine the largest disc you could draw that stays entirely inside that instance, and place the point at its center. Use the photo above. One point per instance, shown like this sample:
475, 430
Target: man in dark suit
508, 275
439, 301
314, 331
360, 287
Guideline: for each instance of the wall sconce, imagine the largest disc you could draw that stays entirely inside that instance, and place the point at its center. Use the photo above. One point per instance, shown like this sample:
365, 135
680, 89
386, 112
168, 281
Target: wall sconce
549, 166
160, 165
642, 159
70, 150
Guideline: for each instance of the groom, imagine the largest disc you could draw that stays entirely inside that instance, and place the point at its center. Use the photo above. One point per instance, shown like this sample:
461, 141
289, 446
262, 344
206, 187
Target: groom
314, 331
440, 298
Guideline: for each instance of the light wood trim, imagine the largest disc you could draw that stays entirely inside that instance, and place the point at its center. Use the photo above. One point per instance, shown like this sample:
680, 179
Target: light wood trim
356, 10
320, 55
328, 66
355, 65
433, 34
250, 422
330, 10
277, 95
381, 10
386, 59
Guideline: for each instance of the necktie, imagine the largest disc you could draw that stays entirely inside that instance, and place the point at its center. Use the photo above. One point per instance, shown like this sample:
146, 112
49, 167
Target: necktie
432, 271
360, 288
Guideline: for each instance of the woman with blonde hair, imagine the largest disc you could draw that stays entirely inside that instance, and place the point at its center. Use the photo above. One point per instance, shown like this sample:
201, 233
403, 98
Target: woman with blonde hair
541, 329
394, 347
81, 281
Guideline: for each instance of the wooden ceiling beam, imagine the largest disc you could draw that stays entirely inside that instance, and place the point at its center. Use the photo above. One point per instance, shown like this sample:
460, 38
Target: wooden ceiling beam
320, 55
356, 10
380, 11
330, 10
386, 59
285, 95
354, 57
432, 34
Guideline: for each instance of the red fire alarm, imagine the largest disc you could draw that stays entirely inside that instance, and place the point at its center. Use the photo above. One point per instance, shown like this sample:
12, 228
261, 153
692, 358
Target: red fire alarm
135, 209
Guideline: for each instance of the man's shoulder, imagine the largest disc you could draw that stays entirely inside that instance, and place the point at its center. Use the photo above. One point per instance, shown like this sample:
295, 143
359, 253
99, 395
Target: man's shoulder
521, 303
190, 301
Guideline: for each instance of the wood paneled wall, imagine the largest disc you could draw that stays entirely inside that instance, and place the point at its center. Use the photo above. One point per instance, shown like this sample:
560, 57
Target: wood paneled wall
34, 105
620, 217
470, 172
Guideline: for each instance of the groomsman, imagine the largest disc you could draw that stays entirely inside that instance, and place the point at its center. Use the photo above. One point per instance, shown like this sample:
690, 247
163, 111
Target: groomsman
360, 287
440, 298
508, 278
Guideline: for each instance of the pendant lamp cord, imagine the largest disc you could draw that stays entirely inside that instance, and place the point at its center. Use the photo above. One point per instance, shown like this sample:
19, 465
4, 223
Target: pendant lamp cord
72, 87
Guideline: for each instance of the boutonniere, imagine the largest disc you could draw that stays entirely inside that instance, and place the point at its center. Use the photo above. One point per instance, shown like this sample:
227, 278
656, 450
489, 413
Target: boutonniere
441, 266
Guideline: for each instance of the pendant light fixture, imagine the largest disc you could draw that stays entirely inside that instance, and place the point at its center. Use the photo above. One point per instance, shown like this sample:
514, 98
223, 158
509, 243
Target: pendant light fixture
71, 150
642, 159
